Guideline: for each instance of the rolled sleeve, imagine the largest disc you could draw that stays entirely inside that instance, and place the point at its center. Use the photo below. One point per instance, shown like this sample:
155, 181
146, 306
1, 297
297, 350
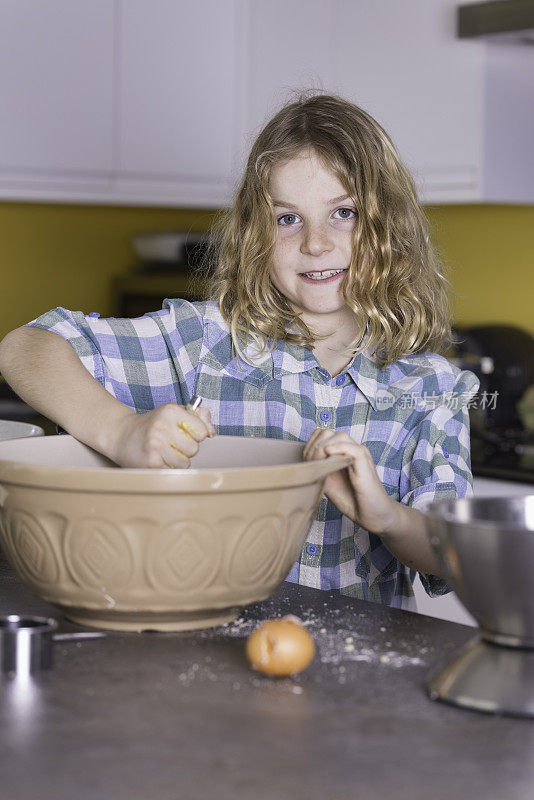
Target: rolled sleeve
143, 362
437, 461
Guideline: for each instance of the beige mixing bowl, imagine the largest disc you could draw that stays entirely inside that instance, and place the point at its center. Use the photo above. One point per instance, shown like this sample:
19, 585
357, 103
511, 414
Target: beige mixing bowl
135, 549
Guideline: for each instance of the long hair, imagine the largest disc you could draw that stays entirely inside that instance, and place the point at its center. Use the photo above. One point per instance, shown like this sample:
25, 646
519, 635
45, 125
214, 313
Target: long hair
395, 283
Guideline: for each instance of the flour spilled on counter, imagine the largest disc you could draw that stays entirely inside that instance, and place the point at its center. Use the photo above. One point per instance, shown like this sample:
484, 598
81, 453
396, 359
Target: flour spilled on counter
337, 646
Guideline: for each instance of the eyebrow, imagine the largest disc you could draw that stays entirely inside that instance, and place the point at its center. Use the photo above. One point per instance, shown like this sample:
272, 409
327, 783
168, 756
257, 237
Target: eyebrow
330, 202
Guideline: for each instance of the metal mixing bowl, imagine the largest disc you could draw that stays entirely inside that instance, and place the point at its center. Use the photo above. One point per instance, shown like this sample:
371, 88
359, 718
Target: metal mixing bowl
164, 549
485, 547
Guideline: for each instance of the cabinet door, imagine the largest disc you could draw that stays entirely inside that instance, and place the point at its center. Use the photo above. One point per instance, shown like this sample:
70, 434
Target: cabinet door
178, 95
56, 89
403, 63
289, 49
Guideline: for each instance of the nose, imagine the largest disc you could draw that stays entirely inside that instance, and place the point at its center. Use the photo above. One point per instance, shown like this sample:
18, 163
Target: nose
316, 240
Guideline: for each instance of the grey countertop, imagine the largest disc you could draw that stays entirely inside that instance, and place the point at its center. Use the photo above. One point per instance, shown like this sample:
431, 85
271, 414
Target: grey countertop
142, 716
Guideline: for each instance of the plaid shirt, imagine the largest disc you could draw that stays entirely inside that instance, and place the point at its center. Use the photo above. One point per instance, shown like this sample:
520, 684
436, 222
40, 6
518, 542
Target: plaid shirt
412, 416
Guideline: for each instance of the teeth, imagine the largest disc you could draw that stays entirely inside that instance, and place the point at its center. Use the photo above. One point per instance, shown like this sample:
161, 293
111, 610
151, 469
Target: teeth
319, 276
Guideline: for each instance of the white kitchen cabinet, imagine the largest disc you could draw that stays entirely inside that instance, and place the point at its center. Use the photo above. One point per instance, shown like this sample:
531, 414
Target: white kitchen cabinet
56, 90
114, 101
157, 102
403, 63
399, 61
461, 112
289, 48
180, 76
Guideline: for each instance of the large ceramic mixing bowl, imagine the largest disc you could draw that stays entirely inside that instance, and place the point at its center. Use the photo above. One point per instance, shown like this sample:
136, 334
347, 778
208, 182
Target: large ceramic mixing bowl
486, 548
136, 549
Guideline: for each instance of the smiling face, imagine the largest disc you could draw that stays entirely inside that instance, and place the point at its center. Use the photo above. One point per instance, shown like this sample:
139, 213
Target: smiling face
315, 225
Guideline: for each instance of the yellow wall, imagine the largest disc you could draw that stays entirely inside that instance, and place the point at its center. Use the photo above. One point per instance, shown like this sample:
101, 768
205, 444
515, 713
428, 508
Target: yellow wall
490, 252
67, 255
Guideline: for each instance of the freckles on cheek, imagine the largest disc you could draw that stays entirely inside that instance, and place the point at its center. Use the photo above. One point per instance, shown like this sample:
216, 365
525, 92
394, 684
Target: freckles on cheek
282, 249
279, 257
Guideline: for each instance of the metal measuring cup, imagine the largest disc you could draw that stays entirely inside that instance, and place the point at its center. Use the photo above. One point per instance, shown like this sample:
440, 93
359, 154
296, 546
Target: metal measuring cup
26, 642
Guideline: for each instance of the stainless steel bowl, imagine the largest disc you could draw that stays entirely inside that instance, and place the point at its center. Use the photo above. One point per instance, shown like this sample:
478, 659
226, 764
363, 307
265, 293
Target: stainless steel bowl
485, 547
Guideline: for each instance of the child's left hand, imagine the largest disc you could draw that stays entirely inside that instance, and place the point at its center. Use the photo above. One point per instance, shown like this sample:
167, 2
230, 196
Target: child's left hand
356, 490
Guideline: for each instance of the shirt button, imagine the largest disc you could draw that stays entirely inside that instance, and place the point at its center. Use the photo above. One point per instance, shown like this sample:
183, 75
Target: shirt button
325, 415
94, 314
445, 452
311, 549
340, 379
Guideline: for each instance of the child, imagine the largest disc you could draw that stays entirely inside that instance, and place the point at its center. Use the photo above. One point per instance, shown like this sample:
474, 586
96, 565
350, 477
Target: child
328, 309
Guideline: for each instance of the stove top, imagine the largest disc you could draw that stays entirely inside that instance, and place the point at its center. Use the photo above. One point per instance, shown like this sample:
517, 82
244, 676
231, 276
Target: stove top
507, 454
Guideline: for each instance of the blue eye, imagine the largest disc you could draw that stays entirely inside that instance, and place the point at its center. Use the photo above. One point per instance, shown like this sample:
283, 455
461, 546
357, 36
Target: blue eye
286, 216
350, 215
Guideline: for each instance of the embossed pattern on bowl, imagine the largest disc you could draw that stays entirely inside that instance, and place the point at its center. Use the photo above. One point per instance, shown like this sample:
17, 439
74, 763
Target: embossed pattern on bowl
156, 549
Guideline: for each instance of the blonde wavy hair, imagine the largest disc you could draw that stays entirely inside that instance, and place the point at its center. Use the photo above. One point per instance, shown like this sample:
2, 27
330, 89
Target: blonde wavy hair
395, 284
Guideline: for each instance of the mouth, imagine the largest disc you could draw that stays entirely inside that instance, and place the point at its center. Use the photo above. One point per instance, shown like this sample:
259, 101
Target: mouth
322, 276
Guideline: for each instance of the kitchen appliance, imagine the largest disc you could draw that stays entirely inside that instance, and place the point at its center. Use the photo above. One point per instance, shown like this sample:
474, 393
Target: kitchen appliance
485, 547
502, 357
168, 266
140, 292
498, 20
170, 250
486, 677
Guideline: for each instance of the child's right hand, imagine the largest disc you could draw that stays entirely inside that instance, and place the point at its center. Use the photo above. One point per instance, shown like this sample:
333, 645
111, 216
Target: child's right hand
168, 436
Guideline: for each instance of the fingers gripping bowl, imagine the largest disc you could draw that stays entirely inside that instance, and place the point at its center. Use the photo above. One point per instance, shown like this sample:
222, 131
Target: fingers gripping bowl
135, 549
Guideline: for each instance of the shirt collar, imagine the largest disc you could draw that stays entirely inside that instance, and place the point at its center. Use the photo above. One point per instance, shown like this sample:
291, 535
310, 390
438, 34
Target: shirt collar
365, 371
288, 358
218, 353
369, 377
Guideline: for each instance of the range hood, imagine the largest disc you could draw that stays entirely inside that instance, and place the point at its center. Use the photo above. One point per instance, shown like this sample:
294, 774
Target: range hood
502, 20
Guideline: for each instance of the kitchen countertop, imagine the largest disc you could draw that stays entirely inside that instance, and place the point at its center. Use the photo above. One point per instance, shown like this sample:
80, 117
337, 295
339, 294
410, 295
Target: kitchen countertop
519, 471
171, 716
